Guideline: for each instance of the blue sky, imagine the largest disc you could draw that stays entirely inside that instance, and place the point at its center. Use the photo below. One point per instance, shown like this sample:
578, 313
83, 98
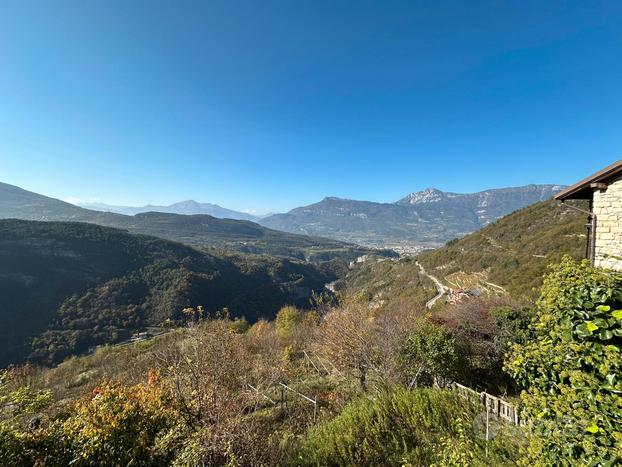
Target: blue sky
269, 105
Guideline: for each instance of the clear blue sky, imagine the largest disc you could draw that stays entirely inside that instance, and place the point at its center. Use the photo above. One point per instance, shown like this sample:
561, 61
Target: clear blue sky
266, 105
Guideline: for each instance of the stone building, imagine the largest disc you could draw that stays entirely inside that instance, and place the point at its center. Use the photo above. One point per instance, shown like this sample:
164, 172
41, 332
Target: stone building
604, 192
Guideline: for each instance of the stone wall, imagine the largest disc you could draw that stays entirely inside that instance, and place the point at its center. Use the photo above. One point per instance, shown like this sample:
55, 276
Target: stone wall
608, 210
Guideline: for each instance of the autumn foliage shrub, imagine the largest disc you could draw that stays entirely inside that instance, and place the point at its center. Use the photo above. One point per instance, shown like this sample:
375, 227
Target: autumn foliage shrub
118, 425
113, 425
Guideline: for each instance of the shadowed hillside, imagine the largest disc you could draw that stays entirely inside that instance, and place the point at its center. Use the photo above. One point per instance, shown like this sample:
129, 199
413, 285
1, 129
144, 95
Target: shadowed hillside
70, 286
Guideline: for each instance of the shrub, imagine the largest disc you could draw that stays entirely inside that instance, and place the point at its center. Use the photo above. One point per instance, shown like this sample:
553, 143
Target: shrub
571, 369
118, 425
387, 429
429, 355
286, 321
349, 338
484, 330
11, 446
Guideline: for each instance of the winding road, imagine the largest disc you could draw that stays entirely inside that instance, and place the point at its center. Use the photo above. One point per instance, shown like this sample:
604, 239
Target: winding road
439, 286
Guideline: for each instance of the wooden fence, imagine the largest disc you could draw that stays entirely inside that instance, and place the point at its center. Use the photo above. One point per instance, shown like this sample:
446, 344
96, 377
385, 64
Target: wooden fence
494, 405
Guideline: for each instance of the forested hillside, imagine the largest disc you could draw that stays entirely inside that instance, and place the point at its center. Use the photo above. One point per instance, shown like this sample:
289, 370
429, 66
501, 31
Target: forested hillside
67, 287
365, 381
236, 235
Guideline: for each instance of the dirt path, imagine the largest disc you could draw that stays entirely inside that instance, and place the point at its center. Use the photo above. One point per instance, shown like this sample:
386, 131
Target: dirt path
439, 287
498, 287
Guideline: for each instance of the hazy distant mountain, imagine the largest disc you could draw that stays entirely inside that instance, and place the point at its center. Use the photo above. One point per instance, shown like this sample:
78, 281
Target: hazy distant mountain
429, 217
198, 229
17, 203
188, 207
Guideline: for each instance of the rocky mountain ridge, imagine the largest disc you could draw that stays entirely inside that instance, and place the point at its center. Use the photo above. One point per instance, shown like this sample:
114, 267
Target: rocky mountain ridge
426, 219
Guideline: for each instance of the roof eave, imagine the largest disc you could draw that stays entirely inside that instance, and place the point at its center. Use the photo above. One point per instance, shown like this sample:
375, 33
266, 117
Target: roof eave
584, 189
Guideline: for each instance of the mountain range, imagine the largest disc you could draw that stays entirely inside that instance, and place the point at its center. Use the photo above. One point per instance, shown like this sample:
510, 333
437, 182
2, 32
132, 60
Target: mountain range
200, 230
427, 218
67, 284
419, 221
187, 207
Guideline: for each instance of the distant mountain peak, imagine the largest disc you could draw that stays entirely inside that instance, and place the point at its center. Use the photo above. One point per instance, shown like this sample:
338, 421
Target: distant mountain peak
188, 202
188, 207
424, 218
429, 195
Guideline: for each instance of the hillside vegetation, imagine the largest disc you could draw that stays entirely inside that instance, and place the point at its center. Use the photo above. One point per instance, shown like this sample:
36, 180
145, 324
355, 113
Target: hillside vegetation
508, 258
515, 251
211, 394
67, 287
345, 385
389, 284
236, 235
364, 380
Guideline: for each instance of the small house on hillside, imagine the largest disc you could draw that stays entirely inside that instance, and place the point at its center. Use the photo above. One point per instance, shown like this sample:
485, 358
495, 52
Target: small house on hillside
604, 192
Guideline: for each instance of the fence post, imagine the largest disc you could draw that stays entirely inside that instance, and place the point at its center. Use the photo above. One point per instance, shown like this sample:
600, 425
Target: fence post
487, 411
315, 412
283, 403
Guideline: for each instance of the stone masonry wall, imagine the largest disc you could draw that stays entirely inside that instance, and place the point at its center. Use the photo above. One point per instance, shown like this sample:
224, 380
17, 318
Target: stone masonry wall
608, 210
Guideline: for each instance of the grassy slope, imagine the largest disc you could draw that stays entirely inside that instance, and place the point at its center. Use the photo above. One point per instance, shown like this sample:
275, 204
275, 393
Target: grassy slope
389, 283
513, 253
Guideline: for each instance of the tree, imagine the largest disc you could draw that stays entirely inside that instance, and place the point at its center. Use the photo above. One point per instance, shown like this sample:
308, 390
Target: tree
286, 321
571, 368
207, 376
484, 330
239, 325
429, 355
349, 339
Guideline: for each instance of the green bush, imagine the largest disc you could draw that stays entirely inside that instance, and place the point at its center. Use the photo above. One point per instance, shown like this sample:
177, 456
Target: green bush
398, 427
429, 355
286, 320
571, 369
